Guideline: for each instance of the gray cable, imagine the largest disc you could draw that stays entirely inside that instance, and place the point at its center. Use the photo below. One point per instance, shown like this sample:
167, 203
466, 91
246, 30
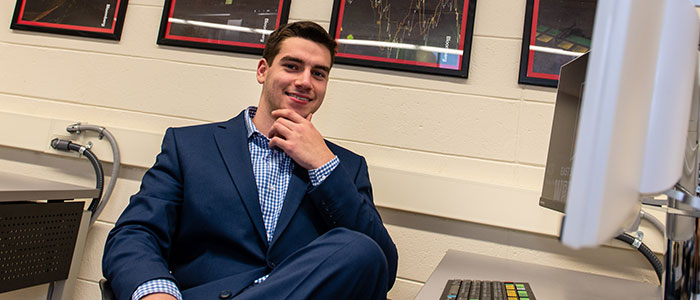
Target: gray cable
77, 128
654, 221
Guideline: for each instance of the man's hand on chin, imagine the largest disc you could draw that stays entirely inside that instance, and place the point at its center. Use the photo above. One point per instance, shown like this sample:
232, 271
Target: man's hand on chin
159, 296
296, 136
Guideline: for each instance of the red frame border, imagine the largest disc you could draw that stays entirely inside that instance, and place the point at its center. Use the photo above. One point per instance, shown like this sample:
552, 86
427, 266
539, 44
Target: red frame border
210, 41
69, 27
341, 14
531, 53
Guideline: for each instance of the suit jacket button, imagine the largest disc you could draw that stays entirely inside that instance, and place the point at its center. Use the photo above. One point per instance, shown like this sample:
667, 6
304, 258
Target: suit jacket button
225, 295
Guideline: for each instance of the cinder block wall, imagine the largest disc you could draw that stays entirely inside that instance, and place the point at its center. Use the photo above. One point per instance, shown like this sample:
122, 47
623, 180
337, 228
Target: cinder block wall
456, 163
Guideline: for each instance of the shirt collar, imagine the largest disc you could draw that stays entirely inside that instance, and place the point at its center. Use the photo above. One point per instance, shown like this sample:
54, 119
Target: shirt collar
249, 126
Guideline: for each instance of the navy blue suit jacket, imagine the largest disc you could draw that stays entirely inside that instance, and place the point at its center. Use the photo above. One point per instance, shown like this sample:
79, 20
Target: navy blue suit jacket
197, 220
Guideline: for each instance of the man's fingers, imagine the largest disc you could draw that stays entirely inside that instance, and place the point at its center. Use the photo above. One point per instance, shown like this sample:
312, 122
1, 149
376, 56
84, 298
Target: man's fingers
279, 143
308, 118
285, 122
280, 130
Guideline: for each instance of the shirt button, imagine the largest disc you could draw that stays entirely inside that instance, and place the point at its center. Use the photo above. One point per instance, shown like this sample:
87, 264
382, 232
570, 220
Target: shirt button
225, 295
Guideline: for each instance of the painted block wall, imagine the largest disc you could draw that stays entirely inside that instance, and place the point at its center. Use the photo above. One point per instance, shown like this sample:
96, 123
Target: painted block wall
456, 163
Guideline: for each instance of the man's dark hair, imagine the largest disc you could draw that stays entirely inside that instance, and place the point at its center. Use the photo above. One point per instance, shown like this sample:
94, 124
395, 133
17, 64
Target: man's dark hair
303, 29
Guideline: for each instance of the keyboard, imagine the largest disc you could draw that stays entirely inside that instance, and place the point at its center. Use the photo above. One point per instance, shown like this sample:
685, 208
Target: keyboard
465, 289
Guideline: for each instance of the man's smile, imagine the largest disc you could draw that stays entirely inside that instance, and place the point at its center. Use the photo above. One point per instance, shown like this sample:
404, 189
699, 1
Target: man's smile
298, 98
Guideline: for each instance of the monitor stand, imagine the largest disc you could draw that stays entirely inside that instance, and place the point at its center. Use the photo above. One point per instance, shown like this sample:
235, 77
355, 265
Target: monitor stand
682, 260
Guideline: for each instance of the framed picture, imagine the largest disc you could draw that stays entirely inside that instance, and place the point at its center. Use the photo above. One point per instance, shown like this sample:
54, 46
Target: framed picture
556, 31
226, 25
90, 18
426, 36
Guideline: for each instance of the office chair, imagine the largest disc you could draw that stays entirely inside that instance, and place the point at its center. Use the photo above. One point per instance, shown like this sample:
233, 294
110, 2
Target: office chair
106, 289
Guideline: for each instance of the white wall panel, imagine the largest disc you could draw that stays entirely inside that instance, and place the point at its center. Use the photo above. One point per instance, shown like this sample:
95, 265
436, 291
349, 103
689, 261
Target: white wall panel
133, 84
500, 18
421, 120
437, 164
312, 10
534, 126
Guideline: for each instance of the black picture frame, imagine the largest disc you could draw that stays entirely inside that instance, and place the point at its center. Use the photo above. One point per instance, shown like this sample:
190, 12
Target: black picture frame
224, 25
387, 35
86, 18
555, 32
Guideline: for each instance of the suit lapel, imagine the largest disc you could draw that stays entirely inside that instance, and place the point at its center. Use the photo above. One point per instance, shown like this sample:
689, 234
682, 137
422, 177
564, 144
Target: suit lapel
232, 140
298, 186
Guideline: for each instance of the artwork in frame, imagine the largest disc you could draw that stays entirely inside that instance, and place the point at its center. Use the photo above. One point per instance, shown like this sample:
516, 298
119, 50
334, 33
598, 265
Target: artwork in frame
426, 36
556, 32
225, 25
89, 18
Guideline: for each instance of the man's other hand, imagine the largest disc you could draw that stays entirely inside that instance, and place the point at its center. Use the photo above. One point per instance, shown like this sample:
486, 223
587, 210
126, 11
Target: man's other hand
296, 136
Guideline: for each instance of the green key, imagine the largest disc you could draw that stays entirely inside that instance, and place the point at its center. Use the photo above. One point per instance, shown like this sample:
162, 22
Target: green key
554, 31
520, 286
579, 40
522, 293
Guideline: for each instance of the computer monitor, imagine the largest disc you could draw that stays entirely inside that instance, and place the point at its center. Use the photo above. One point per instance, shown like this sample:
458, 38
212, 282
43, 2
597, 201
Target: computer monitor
563, 136
633, 117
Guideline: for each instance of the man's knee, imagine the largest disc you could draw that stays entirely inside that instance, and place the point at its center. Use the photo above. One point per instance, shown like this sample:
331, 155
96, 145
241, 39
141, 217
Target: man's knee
360, 252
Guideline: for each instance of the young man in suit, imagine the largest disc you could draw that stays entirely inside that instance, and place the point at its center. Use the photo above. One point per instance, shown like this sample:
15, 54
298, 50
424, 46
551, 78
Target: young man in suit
260, 206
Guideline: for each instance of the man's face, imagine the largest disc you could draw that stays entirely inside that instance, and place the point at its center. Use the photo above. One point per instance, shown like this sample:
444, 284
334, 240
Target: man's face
296, 78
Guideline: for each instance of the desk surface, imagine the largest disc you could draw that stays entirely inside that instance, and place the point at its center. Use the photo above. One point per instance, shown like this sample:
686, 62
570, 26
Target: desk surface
15, 187
546, 282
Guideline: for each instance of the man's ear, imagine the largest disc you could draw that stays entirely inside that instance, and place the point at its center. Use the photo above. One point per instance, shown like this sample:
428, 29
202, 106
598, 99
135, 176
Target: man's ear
262, 70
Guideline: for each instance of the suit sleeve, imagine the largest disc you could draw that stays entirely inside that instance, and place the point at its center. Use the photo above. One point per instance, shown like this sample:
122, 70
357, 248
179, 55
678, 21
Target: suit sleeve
344, 199
137, 248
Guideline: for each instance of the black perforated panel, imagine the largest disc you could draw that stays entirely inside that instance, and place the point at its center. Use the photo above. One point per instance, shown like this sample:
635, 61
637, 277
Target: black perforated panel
37, 242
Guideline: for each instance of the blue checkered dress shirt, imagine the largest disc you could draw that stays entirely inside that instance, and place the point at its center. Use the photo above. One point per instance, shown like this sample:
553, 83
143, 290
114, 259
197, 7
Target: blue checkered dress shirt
272, 169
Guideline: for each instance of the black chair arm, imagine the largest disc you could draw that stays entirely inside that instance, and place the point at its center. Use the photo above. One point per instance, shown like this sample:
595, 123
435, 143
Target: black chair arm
106, 289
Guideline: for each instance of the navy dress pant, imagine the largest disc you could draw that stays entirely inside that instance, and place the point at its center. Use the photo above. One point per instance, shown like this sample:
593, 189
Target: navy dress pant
341, 264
